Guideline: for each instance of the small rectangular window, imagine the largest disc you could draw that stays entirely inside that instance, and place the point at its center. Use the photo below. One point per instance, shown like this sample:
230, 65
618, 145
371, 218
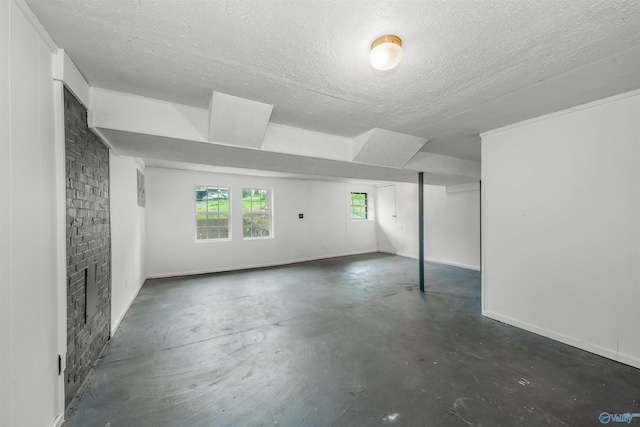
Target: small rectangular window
257, 213
212, 213
141, 195
359, 207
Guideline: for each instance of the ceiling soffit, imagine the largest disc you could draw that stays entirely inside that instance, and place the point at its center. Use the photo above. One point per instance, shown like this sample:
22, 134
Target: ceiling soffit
238, 121
386, 148
233, 121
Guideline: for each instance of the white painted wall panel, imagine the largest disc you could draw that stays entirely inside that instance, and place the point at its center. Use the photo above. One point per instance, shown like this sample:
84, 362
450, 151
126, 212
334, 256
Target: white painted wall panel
452, 226
48, 235
324, 231
6, 282
407, 219
451, 221
127, 236
327, 219
29, 380
561, 236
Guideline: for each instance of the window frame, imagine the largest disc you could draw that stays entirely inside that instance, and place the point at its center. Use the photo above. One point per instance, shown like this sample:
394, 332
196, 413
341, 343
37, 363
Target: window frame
270, 213
359, 206
207, 212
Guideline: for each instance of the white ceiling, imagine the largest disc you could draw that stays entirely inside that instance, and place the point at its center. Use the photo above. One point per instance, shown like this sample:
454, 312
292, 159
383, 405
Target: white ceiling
468, 67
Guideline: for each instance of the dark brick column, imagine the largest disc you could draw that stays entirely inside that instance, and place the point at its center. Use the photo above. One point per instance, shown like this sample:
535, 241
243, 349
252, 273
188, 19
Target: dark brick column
88, 246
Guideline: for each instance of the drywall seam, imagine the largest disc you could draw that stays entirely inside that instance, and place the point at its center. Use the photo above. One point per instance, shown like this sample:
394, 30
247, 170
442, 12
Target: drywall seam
7, 412
37, 26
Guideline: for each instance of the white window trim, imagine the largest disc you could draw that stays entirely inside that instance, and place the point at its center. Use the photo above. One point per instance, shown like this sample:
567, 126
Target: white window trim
367, 206
195, 218
271, 235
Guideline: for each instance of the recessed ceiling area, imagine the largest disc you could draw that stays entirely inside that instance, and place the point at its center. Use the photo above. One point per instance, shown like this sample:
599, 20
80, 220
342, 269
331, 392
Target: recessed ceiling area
467, 66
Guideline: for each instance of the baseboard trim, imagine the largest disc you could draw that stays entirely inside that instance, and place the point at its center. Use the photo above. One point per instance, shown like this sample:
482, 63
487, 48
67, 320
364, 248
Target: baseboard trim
629, 360
254, 266
439, 261
402, 254
587, 346
116, 325
58, 421
453, 264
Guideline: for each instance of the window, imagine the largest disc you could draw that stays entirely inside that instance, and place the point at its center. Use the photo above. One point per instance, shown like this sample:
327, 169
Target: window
212, 213
141, 195
359, 209
257, 214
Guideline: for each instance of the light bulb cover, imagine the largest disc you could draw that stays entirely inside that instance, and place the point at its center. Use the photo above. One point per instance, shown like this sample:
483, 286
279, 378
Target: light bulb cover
386, 52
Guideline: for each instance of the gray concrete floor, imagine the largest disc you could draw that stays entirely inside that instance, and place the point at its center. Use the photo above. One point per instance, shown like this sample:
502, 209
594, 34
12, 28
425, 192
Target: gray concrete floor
341, 342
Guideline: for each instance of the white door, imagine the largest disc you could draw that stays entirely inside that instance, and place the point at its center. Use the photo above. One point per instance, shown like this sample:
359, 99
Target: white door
386, 207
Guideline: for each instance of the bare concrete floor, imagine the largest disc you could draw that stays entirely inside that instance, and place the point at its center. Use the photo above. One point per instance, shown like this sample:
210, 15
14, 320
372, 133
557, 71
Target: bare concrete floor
341, 342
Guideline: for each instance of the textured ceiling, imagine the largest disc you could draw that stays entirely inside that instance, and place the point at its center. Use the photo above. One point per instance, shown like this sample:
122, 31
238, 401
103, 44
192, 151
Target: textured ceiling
468, 67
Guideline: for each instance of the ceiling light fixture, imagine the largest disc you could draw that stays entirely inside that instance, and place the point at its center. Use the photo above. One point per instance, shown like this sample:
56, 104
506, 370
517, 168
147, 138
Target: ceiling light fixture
386, 52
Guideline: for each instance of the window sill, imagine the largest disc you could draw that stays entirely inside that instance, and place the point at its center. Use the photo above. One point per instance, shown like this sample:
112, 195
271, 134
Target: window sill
212, 240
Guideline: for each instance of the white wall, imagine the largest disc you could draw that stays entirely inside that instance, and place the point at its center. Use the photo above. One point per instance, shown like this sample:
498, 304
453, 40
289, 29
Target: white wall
325, 230
29, 381
451, 225
561, 228
127, 236
407, 219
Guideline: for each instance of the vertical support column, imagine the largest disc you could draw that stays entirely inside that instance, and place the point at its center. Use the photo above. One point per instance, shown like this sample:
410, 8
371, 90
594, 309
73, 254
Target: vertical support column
480, 194
60, 183
421, 228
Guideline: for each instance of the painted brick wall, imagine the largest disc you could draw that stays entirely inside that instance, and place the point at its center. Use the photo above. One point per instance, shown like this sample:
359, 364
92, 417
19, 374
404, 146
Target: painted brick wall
88, 243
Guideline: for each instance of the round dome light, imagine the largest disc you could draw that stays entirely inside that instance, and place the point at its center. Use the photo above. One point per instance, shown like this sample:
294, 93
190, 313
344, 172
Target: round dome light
386, 52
